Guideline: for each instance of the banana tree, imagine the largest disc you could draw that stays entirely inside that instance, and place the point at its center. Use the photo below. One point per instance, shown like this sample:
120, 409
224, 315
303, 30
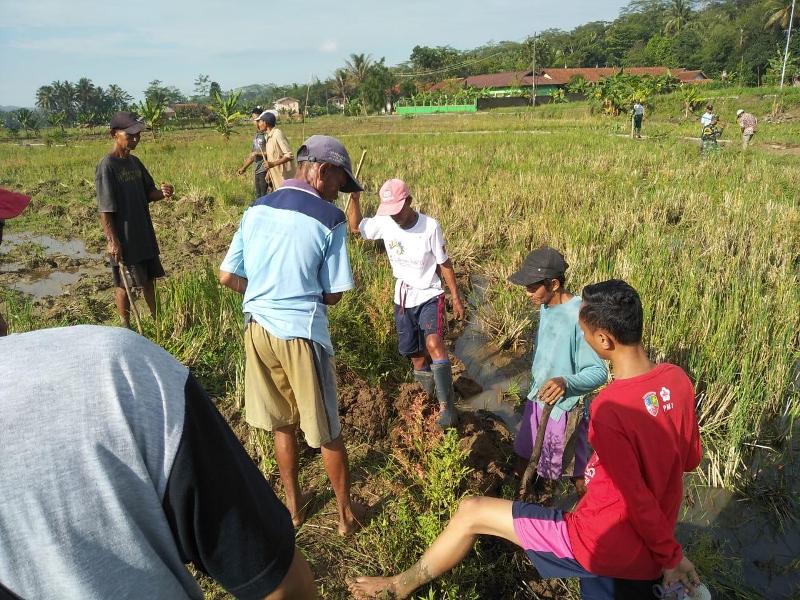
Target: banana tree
152, 112
226, 111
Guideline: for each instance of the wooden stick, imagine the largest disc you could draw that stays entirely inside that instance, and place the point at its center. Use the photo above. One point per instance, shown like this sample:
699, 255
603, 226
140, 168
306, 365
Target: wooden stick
533, 463
358, 171
130, 296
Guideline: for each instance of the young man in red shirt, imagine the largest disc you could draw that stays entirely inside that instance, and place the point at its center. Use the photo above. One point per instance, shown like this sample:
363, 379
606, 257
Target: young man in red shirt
619, 539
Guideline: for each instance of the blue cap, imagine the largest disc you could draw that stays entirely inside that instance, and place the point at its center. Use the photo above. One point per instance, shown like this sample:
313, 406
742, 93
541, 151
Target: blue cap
327, 149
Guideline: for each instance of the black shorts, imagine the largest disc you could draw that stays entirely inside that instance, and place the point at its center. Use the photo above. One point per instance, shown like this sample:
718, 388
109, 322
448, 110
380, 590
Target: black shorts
262, 184
139, 273
415, 323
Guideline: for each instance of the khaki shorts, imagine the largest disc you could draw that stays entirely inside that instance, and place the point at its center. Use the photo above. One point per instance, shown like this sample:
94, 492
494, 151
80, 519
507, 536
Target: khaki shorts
287, 382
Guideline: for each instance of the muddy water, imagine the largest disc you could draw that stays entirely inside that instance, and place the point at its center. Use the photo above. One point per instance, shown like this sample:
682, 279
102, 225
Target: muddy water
43, 282
743, 528
492, 368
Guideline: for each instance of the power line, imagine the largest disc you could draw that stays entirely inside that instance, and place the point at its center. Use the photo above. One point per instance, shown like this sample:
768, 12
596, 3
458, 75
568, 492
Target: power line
455, 66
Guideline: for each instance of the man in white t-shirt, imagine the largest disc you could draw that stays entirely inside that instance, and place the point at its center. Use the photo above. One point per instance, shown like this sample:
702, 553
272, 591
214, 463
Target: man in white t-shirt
416, 250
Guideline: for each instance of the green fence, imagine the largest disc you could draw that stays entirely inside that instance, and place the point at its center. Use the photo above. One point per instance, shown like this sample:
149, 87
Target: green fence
433, 108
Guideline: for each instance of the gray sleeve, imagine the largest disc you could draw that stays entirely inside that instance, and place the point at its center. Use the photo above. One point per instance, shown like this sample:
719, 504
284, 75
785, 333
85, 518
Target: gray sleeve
147, 180
104, 188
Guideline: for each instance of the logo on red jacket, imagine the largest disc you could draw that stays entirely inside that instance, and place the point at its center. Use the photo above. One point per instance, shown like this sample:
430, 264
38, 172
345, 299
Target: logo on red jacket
651, 403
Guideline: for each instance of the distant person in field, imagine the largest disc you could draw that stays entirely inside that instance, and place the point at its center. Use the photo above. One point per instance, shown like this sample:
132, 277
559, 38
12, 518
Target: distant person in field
416, 250
705, 118
257, 153
710, 136
124, 191
11, 205
564, 371
619, 540
280, 158
638, 117
748, 124
289, 259
122, 471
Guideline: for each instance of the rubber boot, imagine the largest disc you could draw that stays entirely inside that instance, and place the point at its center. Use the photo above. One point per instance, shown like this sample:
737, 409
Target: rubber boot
425, 380
443, 380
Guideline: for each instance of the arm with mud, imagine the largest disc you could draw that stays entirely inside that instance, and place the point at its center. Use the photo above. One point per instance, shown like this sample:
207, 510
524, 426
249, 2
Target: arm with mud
449, 276
354, 216
109, 229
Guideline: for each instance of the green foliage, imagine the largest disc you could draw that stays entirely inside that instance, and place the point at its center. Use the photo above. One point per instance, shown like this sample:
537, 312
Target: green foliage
377, 88
226, 112
82, 102
773, 74
152, 113
27, 119
163, 95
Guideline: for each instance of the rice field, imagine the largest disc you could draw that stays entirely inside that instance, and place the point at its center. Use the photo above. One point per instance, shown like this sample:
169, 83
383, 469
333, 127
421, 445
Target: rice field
711, 243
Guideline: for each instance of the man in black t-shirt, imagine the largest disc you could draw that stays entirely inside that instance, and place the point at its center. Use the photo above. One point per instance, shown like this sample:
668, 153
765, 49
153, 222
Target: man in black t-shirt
256, 155
124, 190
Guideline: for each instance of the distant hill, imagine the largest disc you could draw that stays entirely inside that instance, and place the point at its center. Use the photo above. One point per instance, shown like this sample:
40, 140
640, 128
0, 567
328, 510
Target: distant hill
9, 108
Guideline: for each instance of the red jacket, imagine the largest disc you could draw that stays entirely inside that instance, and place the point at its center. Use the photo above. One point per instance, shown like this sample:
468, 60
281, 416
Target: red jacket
645, 436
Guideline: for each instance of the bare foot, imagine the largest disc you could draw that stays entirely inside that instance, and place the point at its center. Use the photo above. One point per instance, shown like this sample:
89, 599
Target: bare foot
303, 504
349, 526
373, 587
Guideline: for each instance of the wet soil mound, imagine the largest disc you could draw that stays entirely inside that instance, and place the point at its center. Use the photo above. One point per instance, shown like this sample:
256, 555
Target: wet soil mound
365, 412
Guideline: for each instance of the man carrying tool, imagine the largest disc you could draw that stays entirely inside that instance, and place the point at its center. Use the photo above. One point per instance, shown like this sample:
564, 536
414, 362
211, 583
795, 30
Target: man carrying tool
280, 159
289, 260
415, 246
620, 538
124, 190
564, 370
256, 155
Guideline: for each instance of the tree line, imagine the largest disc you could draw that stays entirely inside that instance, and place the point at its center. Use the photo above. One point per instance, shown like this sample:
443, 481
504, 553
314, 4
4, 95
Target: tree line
740, 41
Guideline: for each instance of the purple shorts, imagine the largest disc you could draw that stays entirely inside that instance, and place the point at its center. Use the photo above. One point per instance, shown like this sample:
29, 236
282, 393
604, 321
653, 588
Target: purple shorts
542, 533
565, 450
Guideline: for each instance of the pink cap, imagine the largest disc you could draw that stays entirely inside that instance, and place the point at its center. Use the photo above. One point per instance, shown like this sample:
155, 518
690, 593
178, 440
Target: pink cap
393, 196
12, 203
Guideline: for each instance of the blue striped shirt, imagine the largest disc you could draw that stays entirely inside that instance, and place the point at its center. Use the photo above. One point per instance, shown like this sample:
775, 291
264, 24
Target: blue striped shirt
290, 246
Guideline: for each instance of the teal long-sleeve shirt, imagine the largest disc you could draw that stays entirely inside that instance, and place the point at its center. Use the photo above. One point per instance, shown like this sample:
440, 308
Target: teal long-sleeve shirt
562, 351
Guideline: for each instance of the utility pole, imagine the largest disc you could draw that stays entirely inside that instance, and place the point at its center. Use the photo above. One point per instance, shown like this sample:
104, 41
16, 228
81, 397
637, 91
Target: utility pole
533, 74
788, 37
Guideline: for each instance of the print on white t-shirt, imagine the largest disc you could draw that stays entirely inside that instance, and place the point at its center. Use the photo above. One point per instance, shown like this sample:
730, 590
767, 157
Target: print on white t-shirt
414, 254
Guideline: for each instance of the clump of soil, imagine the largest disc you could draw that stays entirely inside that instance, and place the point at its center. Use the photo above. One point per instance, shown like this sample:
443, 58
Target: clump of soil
489, 449
365, 413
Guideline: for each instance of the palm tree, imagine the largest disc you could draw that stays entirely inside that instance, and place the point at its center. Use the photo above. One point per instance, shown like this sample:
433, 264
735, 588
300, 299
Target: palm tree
679, 14
64, 98
358, 66
45, 98
84, 94
341, 83
118, 97
778, 14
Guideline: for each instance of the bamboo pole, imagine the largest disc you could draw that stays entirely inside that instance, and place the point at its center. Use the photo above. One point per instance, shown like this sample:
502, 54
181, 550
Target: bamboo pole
134, 308
357, 173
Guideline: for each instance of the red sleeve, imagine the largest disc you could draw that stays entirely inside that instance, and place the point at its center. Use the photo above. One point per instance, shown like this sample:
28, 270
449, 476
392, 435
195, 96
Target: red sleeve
695, 453
619, 459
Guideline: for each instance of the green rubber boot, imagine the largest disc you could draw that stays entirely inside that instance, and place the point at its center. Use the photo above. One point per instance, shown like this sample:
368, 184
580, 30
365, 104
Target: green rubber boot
425, 380
443, 380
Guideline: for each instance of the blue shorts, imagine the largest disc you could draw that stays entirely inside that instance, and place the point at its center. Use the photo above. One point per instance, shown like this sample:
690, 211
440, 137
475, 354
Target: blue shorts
542, 533
415, 323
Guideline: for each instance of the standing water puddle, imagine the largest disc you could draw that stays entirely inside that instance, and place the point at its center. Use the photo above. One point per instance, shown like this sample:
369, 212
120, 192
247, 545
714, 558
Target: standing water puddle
493, 369
41, 282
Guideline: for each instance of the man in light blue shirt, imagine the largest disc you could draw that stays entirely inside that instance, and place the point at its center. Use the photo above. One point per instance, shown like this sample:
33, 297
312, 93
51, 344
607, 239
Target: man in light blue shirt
564, 370
289, 259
